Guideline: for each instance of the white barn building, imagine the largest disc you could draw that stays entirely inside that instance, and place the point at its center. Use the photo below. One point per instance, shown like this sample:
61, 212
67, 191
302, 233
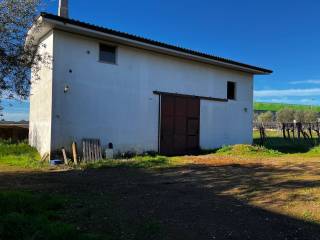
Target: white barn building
138, 94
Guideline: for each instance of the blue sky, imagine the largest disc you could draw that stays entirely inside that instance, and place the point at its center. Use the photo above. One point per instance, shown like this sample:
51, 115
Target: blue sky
280, 35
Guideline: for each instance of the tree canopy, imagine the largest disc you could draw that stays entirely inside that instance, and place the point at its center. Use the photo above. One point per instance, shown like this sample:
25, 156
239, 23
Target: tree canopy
304, 116
17, 56
265, 117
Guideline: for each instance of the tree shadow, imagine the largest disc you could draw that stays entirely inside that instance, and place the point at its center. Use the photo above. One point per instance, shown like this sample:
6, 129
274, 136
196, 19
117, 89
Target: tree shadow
189, 202
288, 145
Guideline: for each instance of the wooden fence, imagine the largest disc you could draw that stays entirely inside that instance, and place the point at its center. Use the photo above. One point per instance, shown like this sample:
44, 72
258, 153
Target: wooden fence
309, 132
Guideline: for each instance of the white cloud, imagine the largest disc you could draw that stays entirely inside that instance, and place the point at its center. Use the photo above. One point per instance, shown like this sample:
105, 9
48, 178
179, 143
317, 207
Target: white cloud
288, 92
311, 81
280, 100
306, 100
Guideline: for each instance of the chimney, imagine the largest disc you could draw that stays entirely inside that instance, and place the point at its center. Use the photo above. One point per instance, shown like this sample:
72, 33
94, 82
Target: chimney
63, 8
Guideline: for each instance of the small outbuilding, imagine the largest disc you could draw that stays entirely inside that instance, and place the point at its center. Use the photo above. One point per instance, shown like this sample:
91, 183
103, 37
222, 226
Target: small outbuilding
136, 93
14, 131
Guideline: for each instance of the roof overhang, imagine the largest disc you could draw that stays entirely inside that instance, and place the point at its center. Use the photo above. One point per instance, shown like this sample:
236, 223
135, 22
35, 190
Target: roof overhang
46, 24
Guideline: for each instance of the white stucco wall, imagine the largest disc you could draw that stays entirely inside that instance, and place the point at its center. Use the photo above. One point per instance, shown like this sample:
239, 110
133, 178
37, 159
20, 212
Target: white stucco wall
115, 102
41, 100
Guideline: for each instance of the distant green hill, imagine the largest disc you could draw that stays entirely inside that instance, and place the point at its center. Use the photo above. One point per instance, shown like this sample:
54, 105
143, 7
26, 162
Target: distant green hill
277, 106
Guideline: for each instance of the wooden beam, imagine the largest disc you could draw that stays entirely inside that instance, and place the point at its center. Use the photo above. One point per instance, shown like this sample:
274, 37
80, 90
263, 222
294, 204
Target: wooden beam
193, 96
74, 153
65, 159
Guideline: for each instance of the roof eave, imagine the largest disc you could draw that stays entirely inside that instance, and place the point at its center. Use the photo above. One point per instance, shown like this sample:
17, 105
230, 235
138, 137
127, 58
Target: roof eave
73, 28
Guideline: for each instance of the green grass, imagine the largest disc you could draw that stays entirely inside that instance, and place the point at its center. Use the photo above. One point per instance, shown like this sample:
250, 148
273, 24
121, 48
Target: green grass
28, 216
19, 155
274, 146
315, 151
243, 149
278, 106
24, 156
135, 162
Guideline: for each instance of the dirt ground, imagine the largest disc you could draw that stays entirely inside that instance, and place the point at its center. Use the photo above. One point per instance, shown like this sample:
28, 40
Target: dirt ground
203, 200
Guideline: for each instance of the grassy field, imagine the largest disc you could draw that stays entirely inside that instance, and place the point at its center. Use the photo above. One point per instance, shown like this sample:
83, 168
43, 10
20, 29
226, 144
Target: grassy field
278, 106
236, 192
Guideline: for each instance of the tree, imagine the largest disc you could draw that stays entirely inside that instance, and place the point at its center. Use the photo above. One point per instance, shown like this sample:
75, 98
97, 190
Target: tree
310, 116
265, 117
306, 116
18, 56
299, 116
285, 115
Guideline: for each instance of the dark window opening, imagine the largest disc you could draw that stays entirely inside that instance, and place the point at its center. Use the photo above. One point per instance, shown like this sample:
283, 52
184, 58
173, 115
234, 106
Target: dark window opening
107, 53
231, 90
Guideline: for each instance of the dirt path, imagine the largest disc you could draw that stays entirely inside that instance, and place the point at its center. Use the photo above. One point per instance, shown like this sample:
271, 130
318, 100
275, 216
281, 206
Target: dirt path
187, 202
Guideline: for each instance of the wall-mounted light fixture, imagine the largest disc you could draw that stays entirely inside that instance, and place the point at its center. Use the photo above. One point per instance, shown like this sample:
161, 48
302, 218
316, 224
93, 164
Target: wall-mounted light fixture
66, 88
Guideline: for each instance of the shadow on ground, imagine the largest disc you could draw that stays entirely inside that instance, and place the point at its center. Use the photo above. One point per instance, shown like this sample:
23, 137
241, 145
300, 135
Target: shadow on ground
181, 203
288, 145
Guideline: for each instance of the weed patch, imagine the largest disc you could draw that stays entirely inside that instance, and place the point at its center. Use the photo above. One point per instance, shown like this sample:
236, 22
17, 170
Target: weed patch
19, 155
135, 162
242, 149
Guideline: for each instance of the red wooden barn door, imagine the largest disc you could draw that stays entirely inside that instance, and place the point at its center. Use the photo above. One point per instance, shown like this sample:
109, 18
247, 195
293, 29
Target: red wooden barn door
180, 118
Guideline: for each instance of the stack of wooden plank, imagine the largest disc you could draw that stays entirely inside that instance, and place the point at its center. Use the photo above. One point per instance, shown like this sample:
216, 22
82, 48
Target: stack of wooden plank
91, 150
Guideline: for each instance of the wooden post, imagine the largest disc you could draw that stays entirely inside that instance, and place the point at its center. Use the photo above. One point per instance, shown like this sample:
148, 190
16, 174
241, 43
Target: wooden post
284, 130
299, 129
64, 156
288, 132
84, 153
74, 153
317, 130
310, 130
293, 131
262, 135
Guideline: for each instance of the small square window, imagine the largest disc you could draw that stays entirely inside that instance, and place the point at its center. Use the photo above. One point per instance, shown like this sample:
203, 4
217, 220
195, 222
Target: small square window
107, 54
231, 90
